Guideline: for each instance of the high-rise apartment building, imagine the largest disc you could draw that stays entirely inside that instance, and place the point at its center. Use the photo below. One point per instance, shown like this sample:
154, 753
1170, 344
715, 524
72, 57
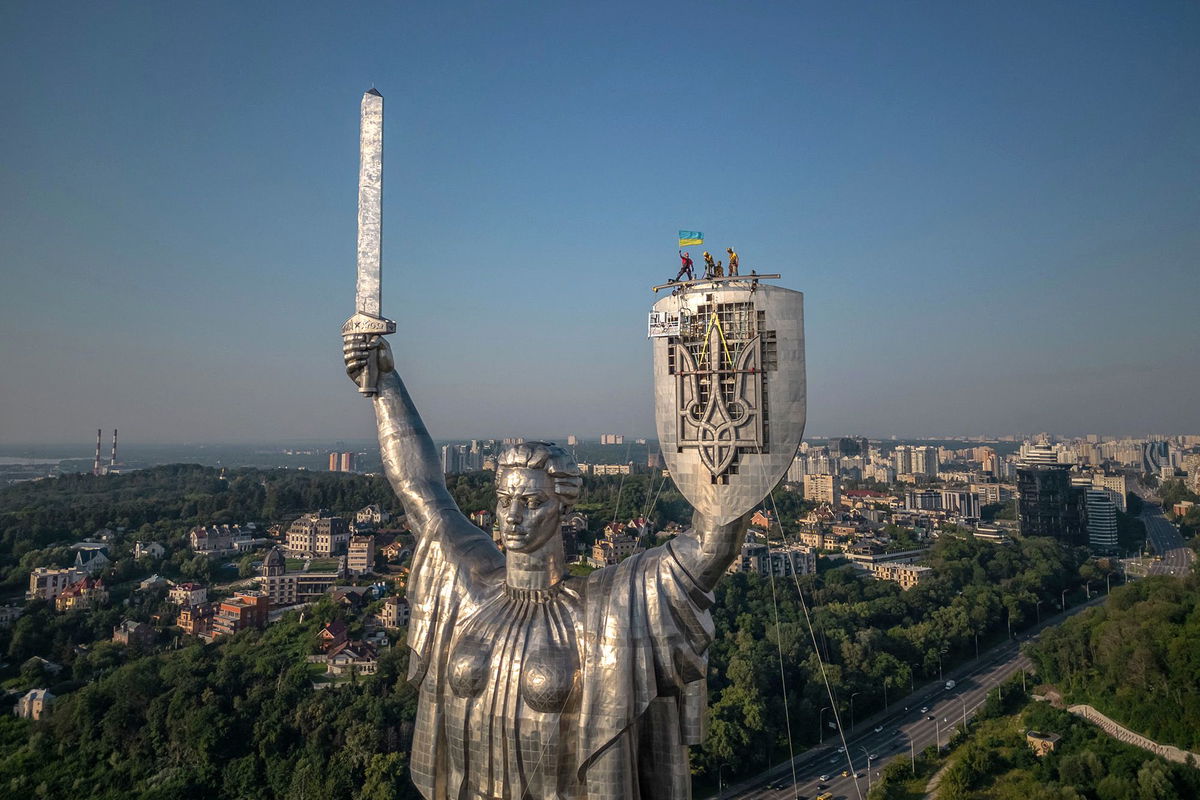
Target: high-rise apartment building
823, 489
1101, 522
925, 461
341, 462
902, 459
1049, 505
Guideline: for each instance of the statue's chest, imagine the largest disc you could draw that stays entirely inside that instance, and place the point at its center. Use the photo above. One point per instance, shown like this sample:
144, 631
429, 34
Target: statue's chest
519, 645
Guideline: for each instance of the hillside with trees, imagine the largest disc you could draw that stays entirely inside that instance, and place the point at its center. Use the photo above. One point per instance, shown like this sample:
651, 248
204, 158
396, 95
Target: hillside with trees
1134, 657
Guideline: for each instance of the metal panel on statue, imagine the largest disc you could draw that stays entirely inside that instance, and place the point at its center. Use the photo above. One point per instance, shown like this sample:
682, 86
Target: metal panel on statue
729, 390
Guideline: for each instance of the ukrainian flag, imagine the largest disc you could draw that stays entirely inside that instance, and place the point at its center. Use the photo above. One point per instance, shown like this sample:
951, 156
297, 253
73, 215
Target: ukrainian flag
690, 238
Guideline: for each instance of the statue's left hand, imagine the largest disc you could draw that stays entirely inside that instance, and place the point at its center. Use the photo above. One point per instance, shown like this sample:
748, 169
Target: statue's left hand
359, 350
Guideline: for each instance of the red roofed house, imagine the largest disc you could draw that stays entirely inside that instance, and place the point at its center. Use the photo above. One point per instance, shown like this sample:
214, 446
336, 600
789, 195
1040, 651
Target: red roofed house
332, 635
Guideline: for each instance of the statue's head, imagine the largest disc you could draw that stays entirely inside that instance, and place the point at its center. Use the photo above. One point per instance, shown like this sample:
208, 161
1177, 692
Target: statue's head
536, 482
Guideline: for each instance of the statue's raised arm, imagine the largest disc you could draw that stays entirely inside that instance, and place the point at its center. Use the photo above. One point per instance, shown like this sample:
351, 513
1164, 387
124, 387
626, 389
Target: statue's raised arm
409, 458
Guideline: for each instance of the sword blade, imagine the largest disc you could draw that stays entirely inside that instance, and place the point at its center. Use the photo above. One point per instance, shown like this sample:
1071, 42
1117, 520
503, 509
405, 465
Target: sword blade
370, 205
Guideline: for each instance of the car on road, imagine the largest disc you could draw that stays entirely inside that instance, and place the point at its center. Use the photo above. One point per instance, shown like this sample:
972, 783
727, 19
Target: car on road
841, 749
824, 778
950, 685
872, 756
924, 709
879, 729
930, 717
825, 796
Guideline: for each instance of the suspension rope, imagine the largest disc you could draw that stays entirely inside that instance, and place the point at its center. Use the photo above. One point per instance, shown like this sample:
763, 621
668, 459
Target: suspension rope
820, 661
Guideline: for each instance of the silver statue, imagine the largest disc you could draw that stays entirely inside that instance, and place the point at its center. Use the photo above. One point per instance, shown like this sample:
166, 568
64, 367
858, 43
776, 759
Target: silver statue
534, 683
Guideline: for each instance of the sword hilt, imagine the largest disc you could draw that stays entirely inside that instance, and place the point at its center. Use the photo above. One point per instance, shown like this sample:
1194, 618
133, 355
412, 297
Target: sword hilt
360, 323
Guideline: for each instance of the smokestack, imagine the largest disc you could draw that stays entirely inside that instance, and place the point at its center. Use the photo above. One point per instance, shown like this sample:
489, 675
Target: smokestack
96, 466
114, 452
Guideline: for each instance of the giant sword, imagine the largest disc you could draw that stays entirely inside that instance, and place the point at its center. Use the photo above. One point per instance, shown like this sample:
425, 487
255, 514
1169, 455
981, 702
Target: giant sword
367, 319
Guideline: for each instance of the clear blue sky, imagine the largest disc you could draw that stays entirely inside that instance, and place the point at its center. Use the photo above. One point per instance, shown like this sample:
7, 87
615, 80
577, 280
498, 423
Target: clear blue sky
992, 209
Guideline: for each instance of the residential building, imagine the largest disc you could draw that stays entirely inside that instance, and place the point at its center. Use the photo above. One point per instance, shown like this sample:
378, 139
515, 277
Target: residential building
331, 635
360, 556
341, 462
188, 594
962, 502
319, 534
907, 575
148, 550
395, 613
1191, 465
83, 594
134, 634
221, 539
922, 500
612, 469
197, 620
243, 610
612, 438
823, 489
372, 515
781, 561
286, 588
47, 583
34, 704
91, 557
1101, 522
1117, 487
1048, 505
925, 461
352, 657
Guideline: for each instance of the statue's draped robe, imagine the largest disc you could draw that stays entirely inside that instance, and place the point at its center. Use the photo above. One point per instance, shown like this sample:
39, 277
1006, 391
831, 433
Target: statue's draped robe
641, 628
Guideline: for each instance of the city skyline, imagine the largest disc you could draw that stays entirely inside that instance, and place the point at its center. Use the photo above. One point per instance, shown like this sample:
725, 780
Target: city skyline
991, 213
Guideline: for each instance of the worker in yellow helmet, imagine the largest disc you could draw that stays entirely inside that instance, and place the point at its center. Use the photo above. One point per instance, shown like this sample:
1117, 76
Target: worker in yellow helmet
733, 261
710, 268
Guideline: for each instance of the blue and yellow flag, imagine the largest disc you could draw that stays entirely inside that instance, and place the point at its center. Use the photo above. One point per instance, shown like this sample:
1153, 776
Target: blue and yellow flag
689, 238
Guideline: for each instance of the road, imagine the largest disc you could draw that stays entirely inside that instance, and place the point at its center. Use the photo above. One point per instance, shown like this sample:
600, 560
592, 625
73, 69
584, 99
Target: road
1164, 537
912, 724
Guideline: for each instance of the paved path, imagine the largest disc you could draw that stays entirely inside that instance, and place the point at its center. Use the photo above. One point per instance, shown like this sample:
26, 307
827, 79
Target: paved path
1123, 734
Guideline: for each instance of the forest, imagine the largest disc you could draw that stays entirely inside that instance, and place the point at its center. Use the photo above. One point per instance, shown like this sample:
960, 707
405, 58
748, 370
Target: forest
1134, 657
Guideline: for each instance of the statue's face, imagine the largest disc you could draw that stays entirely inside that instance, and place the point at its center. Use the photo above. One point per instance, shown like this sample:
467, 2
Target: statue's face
528, 509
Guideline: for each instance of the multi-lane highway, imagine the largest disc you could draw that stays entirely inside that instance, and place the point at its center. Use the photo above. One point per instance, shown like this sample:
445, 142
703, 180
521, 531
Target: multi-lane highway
1165, 539
927, 717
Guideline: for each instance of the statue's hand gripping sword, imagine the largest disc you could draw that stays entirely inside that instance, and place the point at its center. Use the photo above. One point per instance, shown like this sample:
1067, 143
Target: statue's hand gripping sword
367, 319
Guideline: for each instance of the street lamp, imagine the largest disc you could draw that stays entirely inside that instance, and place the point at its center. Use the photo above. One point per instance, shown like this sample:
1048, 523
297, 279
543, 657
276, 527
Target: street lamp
1064, 599
867, 753
1039, 611
856, 694
962, 700
937, 730
821, 722
1087, 587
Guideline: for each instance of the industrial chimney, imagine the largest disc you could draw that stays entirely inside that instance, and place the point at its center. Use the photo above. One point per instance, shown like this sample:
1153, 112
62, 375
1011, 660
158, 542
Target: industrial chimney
96, 465
113, 463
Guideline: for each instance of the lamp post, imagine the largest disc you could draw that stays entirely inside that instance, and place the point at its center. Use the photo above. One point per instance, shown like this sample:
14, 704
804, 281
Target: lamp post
962, 700
1064, 599
856, 694
720, 783
1087, 587
1039, 611
937, 730
821, 722
976, 644
867, 753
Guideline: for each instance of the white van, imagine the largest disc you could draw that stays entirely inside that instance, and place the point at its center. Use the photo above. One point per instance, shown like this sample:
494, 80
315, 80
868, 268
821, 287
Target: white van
950, 685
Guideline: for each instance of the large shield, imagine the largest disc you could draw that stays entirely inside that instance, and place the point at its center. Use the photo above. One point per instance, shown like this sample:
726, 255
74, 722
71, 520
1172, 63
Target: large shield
729, 390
